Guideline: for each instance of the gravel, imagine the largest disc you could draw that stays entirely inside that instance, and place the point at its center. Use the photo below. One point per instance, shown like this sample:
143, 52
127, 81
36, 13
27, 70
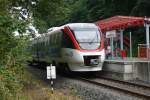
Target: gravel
88, 91
82, 89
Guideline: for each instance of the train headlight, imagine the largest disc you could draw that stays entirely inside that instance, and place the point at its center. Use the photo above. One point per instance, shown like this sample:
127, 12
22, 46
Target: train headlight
99, 58
95, 61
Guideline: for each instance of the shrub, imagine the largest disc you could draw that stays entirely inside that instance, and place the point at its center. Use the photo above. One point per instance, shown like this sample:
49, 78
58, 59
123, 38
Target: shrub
12, 58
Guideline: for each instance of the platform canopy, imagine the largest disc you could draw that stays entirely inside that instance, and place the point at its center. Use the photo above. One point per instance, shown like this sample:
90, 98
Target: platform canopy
119, 22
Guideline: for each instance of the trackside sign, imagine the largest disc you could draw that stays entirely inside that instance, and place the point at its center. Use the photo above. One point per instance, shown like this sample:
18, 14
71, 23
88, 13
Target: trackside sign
111, 34
51, 72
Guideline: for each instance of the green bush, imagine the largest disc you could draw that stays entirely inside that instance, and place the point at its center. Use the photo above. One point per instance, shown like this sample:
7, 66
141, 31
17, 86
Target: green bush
12, 73
13, 56
9, 85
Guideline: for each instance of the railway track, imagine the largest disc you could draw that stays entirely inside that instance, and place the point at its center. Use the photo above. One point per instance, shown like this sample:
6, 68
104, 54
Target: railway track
126, 82
132, 89
135, 90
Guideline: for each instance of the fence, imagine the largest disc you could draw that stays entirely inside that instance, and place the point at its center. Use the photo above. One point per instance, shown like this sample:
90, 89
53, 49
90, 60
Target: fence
143, 51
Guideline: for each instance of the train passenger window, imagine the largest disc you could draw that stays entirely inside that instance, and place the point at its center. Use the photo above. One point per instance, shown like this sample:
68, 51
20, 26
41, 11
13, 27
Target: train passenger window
67, 42
59, 38
50, 40
55, 39
47, 41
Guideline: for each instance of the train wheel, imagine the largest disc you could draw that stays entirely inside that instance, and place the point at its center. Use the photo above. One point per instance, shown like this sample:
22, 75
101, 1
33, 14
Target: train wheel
66, 68
63, 68
34, 63
29, 63
53, 63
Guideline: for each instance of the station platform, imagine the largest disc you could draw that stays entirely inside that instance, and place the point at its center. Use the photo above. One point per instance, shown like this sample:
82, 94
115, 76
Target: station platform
128, 69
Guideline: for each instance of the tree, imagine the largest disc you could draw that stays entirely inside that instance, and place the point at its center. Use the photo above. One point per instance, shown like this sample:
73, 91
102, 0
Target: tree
141, 8
48, 13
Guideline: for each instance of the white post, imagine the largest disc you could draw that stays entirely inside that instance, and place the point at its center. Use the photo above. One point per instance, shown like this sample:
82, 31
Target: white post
121, 39
147, 45
130, 46
112, 47
147, 38
51, 74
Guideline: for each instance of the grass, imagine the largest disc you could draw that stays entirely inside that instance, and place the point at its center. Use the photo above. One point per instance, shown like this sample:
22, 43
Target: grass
38, 90
17, 83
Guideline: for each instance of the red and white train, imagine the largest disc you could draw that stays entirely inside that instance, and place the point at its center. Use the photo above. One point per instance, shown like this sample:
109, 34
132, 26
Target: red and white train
77, 46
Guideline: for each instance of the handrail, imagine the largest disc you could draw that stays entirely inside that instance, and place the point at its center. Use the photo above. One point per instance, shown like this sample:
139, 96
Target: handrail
142, 45
145, 54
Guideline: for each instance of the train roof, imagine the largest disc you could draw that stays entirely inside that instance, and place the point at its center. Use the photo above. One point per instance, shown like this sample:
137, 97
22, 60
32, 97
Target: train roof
82, 25
73, 26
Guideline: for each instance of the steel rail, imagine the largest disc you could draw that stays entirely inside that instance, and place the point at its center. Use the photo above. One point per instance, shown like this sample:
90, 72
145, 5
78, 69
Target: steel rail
124, 82
140, 95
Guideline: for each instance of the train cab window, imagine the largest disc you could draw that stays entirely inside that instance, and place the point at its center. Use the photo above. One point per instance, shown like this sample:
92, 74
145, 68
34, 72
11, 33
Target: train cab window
67, 42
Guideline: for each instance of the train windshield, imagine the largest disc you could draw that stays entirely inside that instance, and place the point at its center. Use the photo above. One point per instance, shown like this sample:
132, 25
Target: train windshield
88, 38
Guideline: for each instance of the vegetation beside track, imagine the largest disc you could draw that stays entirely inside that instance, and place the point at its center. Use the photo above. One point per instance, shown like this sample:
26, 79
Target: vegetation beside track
15, 81
39, 90
12, 58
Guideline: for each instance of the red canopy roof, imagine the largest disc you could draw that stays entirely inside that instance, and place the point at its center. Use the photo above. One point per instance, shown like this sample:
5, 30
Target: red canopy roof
119, 22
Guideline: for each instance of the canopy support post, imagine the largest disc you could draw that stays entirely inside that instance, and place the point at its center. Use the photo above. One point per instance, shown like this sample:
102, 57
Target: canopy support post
148, 48
121, 39
112, 48
147, 39
130, 46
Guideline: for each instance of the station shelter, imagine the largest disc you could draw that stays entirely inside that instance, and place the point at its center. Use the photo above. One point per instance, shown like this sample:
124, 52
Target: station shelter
113, 28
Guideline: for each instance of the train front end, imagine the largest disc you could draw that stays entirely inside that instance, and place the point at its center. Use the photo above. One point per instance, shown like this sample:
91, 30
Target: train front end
89, 53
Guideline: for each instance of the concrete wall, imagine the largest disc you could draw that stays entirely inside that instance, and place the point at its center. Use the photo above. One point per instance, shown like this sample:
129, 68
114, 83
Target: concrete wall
128, 71
118, 67
142, 71
118, 70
